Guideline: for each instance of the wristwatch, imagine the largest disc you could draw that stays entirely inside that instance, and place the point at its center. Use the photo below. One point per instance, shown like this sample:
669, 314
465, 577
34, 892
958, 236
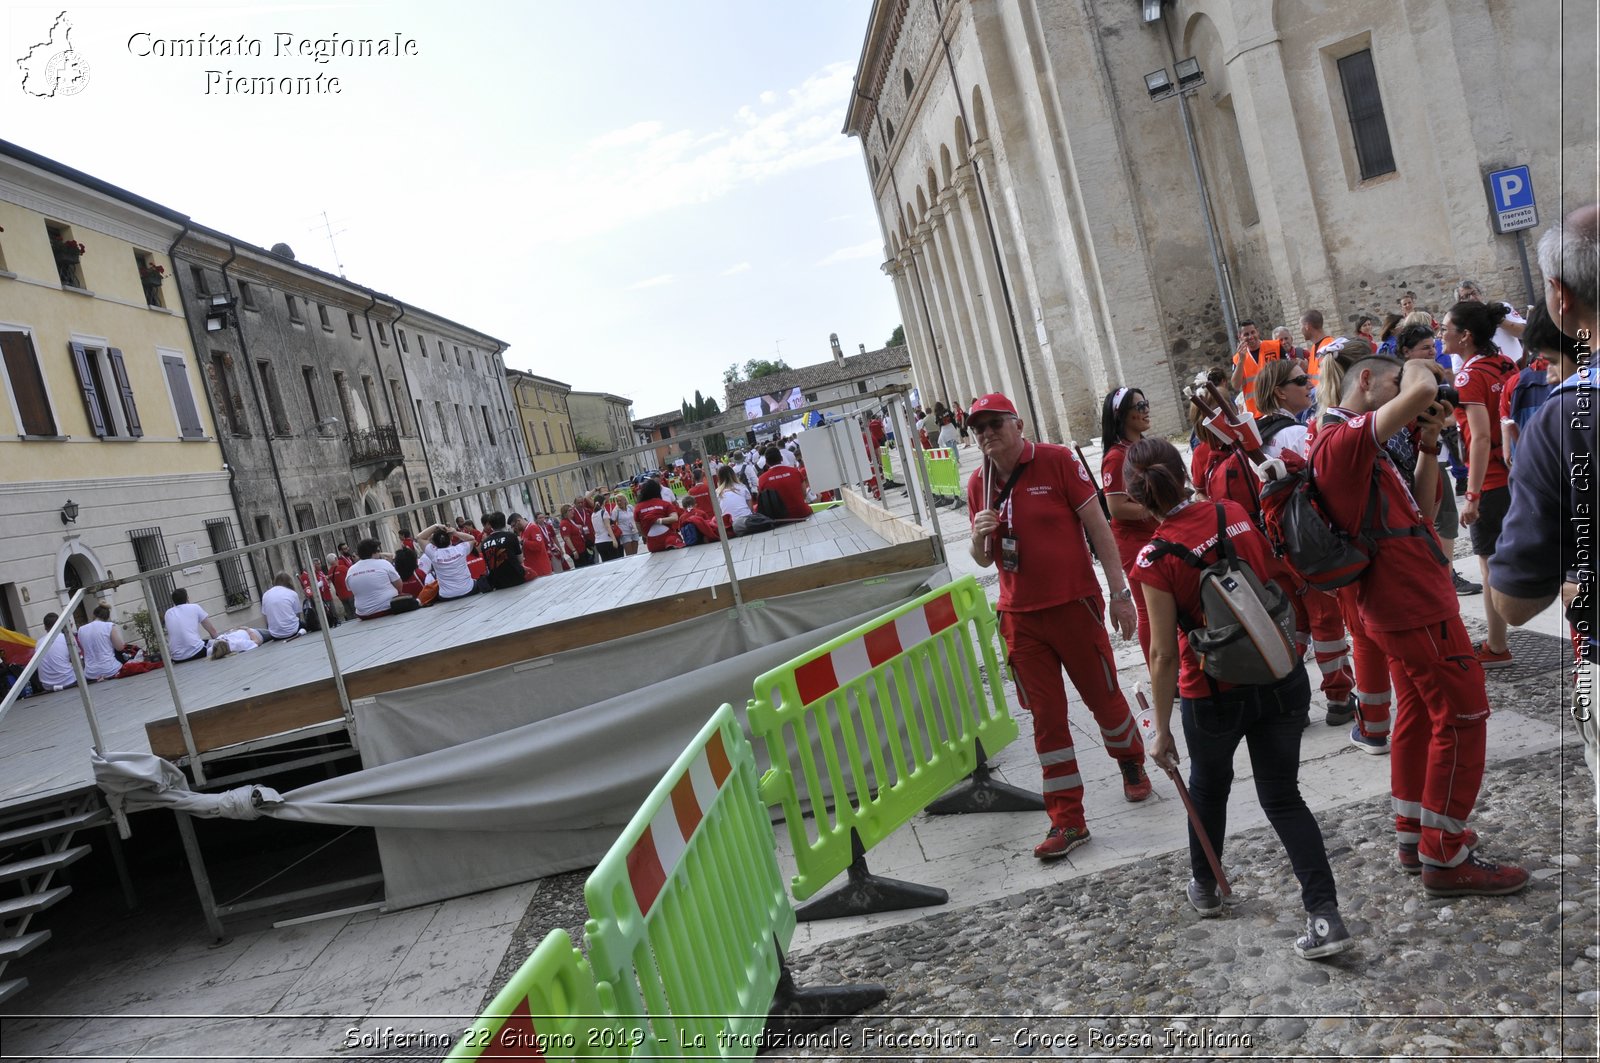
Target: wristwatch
1124, 595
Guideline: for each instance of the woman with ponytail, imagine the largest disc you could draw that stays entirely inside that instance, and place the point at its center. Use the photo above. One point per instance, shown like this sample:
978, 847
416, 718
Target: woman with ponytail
1124, 419
1218, 716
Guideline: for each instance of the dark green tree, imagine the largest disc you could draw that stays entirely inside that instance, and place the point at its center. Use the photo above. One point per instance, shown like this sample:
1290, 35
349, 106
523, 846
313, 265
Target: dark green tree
756, 368
898, 339
695, 414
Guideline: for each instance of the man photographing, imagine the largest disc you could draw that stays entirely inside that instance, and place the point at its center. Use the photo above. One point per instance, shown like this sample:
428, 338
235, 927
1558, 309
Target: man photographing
1408, 607
1031, 505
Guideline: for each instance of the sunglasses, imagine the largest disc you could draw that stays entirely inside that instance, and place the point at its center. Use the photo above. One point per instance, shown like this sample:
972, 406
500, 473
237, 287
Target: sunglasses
1300, 381
980, 427
1142, 407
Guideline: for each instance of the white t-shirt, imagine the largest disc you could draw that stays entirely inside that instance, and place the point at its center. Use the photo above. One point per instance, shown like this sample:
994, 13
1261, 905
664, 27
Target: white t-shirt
99, 656
372, 582
625, 521
734, 503
1510, 346
183, 631
239, 641
55, 666
280, 607
1291, 437
601, 523
449, 567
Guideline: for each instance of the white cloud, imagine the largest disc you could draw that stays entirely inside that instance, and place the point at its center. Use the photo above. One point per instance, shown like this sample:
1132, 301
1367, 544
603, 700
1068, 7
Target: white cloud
870, 249
623, 176
652, 282
741, 267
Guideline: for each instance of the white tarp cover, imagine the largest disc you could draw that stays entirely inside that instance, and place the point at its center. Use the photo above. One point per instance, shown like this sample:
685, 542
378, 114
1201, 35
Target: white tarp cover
532, 769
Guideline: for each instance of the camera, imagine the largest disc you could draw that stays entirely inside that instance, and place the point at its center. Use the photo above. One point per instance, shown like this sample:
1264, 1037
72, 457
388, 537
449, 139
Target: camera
1446, 393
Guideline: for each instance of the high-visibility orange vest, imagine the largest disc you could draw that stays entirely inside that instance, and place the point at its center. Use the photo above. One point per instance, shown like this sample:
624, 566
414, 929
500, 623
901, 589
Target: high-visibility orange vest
1313, 362
1268, 352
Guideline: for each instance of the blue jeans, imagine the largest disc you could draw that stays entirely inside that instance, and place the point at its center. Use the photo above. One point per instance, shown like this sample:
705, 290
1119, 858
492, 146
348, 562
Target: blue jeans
1269, 720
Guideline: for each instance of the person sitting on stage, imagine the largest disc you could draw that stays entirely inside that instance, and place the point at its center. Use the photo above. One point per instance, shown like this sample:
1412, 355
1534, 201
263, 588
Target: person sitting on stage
657, 519
280, 608
55, 660
502, 555
411, 577
446, 559
781, 489
535, 550
184, 622
373, 580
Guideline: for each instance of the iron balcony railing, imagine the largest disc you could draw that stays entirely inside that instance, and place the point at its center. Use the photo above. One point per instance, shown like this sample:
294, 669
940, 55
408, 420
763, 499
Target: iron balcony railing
369, 445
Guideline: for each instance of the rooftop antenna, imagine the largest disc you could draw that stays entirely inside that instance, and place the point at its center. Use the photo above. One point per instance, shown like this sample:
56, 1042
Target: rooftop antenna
327, 228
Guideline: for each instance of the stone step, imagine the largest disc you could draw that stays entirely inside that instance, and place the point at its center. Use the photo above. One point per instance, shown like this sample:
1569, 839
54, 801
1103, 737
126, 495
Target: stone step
38, 865
12, 988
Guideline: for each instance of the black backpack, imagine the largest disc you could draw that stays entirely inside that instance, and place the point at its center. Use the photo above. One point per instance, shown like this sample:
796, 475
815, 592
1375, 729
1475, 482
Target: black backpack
1323, 554
1245, 633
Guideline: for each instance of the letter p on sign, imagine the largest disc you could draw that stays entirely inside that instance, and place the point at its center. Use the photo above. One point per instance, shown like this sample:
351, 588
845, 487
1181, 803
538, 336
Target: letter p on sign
1511, 199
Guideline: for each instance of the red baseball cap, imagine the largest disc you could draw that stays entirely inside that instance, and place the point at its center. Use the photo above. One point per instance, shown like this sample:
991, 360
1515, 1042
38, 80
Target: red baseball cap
995, 403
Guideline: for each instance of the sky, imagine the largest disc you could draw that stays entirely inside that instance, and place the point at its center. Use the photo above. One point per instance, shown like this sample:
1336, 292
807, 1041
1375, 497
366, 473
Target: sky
631, 194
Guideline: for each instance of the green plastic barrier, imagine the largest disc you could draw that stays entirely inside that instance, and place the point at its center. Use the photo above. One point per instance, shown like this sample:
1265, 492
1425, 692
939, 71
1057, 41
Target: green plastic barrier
818, 507
896, 709
549, 1010
944, 473
688, 913
885, 461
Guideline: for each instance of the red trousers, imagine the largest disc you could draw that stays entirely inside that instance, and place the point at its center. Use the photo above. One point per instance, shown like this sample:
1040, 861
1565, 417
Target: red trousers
1328, 644
1436, 750
1042, 642
1371, 669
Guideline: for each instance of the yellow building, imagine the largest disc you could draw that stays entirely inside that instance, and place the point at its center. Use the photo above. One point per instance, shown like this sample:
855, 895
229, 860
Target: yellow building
109, 461
541, 405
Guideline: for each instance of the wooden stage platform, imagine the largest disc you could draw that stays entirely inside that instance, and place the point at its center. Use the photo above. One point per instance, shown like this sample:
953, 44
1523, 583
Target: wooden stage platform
284, 688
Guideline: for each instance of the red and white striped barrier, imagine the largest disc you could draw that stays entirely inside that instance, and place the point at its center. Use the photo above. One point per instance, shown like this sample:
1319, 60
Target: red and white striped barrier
661, 846
821, 677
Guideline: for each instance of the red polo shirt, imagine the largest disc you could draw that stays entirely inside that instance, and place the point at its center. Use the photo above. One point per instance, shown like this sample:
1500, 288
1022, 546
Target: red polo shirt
535, 551
1482, 382
790, 483
1405, 586
1131, 535
1041, 513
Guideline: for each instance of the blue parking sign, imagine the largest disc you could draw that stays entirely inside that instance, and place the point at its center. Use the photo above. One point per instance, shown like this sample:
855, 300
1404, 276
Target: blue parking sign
1511, 199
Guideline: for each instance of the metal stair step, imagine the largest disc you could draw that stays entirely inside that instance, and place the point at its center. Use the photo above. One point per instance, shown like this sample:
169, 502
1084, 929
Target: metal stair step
38, 865
12, 907
12, 988
12, 948
34, 831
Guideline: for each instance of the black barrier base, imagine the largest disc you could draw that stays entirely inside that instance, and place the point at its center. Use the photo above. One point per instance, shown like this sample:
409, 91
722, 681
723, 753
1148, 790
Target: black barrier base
863, 893
796, 1010
982, 792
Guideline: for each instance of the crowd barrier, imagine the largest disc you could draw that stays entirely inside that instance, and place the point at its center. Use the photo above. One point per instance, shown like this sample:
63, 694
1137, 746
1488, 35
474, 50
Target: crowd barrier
689, 920
549, 1010
900, 710
944, 474
886, 462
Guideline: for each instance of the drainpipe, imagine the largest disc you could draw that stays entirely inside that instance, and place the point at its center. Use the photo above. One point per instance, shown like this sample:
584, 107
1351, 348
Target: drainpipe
211, 405
383, 384
255, 390
405, 378
507, 407
988, 221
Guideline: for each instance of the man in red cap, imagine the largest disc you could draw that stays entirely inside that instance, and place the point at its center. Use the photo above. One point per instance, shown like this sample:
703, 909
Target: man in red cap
1031, 505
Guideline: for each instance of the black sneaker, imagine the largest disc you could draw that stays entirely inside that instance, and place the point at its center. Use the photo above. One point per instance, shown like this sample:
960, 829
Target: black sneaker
1464, 586
1205, 898
1340, 712
1325, 936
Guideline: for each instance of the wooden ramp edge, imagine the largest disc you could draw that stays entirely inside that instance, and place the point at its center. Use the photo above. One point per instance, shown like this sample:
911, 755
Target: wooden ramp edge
291, 708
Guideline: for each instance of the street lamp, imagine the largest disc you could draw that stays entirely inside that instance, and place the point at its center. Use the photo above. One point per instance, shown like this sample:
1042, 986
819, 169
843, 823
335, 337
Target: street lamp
1160, 85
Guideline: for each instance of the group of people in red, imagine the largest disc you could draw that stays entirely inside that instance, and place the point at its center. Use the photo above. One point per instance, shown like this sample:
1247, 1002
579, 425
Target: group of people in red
1393, 636
442, 563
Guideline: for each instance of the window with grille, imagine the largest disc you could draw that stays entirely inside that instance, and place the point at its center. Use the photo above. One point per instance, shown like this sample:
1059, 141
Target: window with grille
1368, 127
149, 552
235, 589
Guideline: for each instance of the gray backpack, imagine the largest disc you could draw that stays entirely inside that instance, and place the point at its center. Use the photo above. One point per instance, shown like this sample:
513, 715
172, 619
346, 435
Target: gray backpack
1245, 634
